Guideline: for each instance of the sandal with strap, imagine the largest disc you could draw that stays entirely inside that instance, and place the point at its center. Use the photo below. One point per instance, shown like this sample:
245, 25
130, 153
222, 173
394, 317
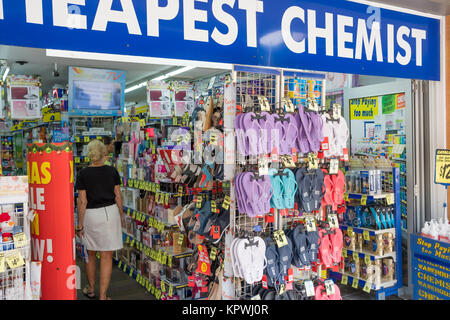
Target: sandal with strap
88, 293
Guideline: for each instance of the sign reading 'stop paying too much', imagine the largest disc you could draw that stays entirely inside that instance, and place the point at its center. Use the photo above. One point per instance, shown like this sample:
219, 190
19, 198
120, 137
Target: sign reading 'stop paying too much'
50, 176
330, 35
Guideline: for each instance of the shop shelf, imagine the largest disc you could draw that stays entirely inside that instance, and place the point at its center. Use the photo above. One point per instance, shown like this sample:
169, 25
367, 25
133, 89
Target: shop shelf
373, 257
336, 275
369, 197
134, 213
371, 232
176, 285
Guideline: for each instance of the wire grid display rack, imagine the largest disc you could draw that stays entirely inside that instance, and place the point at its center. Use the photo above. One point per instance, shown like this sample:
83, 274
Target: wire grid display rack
251, 83
12, 281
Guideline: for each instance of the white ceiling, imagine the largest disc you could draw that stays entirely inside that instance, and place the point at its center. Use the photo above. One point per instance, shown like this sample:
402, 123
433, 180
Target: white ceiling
40, 64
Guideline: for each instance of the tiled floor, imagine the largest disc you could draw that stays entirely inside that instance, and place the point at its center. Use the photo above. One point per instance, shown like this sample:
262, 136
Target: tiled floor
121, 287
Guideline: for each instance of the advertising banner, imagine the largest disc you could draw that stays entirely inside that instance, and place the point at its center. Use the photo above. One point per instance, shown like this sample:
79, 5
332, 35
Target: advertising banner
50, 174
363, 108
430, 268
327, 35
24, 94
96, 92
442, 174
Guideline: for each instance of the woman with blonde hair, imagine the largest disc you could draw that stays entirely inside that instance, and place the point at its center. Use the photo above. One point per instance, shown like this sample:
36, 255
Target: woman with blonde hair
100, 216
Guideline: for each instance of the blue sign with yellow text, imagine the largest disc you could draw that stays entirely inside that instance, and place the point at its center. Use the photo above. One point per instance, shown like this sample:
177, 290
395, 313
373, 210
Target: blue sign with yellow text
326, 35
430, 268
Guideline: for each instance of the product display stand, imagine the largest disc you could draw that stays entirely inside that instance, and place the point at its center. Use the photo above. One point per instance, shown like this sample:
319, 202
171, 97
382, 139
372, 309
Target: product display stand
15, 249
382, 288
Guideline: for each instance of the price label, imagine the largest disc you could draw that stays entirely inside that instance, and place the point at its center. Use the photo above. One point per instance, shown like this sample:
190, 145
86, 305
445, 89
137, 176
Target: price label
288, 105
226, 202
163, 286
14, 260
77, 139
310, 222
333, 221
263, 166
287, 161
313, 105
367, 260
213, 139
367, 286
86, 139
355, 256
120, 264
199, 201
264, 103
337, 111
180, 191
344, 279
213, 206
127, 240
366, 235
309, 286
346, 197
329, 286
334, 166
131, 272
20, 240
355, 283
86, 159
180, 239
364, 200
344, 253
282, 289
166, 199
350, 231
280, 238
313, 162
390, 199
213, 253
77, 159
170, 291
257, 297
169, 261
2, 262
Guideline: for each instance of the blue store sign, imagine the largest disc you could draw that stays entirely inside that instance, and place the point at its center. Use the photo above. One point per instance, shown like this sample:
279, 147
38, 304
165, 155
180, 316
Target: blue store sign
430, 268
326, 35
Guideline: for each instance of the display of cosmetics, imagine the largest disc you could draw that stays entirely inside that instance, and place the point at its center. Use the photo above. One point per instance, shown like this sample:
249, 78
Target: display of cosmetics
371, 217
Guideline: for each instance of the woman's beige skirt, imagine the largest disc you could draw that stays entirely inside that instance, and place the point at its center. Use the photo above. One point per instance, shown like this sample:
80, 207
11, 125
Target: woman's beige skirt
103, 229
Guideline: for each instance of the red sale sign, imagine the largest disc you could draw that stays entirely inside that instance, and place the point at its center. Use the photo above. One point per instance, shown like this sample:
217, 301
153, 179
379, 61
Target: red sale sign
50, 175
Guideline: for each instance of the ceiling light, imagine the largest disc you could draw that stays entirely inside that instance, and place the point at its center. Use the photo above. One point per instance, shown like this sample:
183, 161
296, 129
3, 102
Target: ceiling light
5, 74
160, 78
173, 73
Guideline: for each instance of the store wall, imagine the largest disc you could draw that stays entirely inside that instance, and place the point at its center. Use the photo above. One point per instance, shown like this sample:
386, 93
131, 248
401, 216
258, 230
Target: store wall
447, 32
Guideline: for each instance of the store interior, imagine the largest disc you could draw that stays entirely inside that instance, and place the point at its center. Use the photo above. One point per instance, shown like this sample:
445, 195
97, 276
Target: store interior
361, 213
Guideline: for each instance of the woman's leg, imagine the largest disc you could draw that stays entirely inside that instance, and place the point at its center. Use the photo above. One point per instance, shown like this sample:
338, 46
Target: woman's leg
105, 272
91, 269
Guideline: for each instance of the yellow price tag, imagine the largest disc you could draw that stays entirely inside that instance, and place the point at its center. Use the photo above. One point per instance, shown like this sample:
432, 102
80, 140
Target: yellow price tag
86, 159
163, 286
367, 259
344, 253
120, 264
2, 263
180, 239
390, 199
131, 272
324, 273
355, 283
169, 261
77, 139
367, 286
199, 202
127, 240
20, 240
344, 279
77, 159
346, 197
128, 212
170, 291
166, 200
86, 139
99, 138
142, 123
355, 256
364, 200
350, 231
14, 260
366, 235
280, 238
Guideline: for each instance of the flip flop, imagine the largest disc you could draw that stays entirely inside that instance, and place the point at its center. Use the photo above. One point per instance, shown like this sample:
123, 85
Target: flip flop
89, 294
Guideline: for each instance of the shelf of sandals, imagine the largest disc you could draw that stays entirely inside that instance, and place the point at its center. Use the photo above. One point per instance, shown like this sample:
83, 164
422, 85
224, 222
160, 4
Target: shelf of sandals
289, 190
175, 201
372, 229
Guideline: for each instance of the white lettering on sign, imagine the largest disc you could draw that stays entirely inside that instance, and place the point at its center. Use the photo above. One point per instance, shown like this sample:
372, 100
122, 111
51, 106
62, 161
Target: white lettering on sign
228, 20
251, 7
33, 10
1, 10
156, 13
37, 198
38, 249
190, 17
360, 39
62, 17
128, 16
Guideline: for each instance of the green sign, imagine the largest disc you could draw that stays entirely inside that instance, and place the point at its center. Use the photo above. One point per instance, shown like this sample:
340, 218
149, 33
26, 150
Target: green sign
389, 103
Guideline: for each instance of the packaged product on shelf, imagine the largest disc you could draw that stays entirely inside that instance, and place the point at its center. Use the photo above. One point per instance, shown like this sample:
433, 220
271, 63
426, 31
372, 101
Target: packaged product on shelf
388, 270
359, 242
365, 184
350, 240
388, 245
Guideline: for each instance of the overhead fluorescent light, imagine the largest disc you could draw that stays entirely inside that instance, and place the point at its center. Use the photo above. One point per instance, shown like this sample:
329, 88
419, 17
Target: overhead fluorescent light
138, 86
174, 73
5, 74
160, 78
